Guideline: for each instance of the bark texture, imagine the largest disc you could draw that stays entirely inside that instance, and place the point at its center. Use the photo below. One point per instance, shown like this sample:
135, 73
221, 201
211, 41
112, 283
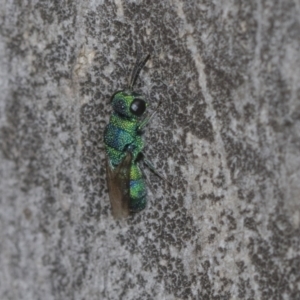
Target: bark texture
227, 135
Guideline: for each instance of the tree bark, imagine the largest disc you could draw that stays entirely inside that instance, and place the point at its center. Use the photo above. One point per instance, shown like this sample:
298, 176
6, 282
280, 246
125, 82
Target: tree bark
226, 135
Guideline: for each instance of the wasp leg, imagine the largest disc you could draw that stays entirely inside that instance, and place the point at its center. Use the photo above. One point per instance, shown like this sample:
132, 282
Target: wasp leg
149, 164
148, 119
148, 181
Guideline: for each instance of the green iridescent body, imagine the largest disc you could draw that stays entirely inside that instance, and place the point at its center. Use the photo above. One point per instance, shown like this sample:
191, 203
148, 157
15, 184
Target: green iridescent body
123, 144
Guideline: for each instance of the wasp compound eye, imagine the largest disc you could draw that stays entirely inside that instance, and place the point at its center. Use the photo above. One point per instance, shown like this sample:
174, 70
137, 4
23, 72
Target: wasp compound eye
138, 107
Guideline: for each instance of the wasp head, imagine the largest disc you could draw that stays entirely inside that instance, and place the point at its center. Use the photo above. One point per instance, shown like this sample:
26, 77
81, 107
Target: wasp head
129, 104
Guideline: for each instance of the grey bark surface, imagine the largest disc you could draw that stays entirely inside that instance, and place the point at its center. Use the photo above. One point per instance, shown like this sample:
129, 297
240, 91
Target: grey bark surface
227, 135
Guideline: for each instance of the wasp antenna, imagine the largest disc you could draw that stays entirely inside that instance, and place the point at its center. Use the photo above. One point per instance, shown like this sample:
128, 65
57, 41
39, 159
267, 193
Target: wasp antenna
136, 70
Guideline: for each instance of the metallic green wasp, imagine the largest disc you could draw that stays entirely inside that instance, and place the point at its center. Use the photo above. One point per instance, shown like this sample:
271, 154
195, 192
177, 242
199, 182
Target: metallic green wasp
124, 146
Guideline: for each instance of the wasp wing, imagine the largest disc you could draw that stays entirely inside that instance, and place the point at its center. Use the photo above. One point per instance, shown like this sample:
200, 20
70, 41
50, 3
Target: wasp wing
118, 181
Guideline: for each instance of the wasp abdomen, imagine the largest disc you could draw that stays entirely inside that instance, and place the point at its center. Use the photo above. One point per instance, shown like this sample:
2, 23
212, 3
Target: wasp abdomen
137, 189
